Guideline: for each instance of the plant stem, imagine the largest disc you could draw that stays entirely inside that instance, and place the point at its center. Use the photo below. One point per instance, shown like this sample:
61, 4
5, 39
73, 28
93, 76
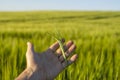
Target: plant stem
62, 49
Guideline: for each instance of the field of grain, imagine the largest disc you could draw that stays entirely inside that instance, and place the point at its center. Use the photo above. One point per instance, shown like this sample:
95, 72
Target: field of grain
96, 34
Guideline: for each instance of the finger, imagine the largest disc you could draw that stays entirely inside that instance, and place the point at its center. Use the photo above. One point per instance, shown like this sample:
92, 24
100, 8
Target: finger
55, 46
68, 52
69, 62
30, 47
66, 46
30, 53
72, 59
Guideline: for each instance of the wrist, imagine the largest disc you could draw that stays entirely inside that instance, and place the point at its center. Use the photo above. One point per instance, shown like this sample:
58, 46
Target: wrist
32, 74
26, 74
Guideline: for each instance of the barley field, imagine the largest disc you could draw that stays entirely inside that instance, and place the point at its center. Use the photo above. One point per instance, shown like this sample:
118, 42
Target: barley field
96, 35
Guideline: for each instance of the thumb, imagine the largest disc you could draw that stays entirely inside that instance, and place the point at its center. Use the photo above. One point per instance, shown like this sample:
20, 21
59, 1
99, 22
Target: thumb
30, 47
30, 54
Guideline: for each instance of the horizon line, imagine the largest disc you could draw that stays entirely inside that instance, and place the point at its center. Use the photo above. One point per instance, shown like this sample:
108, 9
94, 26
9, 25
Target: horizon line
58, 10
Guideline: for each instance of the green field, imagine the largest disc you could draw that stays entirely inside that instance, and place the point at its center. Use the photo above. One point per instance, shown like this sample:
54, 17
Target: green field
96, 34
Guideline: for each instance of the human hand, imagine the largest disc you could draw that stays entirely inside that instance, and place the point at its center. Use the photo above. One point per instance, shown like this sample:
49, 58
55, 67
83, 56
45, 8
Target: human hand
47, 65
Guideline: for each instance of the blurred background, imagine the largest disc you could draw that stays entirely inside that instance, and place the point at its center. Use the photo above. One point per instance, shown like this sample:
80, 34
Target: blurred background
93, 25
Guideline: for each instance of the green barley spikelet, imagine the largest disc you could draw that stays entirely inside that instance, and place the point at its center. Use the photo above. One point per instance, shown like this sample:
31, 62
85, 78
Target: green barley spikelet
57, 36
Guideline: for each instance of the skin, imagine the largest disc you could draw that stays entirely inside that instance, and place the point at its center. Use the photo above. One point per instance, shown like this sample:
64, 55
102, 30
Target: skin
48, 64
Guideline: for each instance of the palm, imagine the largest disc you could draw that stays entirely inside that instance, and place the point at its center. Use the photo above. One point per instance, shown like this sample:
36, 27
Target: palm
50, 63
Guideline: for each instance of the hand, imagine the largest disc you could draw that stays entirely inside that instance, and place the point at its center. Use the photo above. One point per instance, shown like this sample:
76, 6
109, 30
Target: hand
47, 65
